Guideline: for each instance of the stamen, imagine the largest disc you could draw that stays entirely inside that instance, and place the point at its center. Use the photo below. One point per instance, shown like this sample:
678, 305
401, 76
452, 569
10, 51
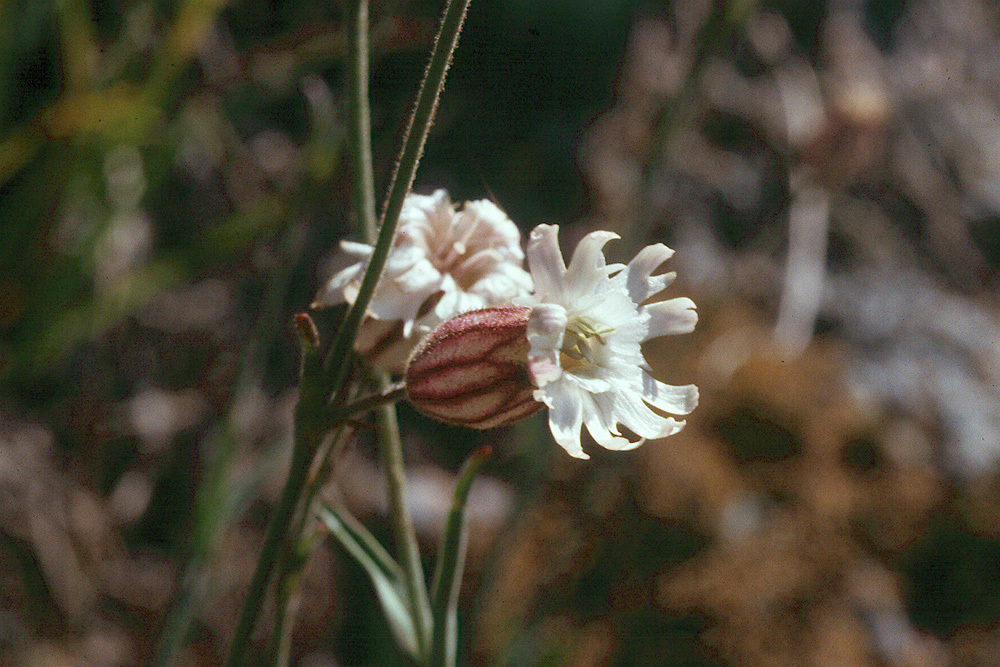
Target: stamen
460, 245
577, 344
472, 268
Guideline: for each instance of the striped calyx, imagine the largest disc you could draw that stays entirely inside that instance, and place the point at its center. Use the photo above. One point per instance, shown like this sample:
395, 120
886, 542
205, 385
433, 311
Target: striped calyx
473, 369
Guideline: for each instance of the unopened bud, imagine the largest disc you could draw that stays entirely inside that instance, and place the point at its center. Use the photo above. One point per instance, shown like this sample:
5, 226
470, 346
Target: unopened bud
473, 369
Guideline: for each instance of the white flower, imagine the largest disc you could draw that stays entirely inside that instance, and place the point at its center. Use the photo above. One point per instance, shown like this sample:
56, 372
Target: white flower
443, 263
584, 331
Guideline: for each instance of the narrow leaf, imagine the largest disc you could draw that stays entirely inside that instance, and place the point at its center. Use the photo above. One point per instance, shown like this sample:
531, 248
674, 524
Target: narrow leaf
450, 566
385, 573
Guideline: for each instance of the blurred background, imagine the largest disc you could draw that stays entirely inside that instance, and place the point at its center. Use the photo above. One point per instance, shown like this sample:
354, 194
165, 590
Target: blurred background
172, 190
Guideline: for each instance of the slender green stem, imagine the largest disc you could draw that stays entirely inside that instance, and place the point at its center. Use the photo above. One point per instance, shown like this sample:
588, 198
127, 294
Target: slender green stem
359, 118
291, 563
408, 551
406, 169
450, 566
289, 592
313, 417
386, 395
288, 589
273, 539
364, 207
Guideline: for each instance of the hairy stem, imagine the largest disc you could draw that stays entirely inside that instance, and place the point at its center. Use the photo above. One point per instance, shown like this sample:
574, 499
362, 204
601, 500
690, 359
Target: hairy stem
391, 448
406, 169
310, 428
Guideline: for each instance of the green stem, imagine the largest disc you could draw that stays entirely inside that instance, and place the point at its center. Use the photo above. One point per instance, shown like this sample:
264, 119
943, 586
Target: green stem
289, 578
312, 413
450, 566
391, 451
288, 589
387, 394
359, 118
289, 593
402, 180
391, 448
273, 538
309, 432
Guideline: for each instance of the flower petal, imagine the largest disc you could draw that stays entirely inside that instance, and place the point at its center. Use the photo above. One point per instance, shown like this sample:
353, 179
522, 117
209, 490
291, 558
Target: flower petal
546, 327
592, 384
620, 443
442, 263
667, 397
638, 282
673, 316
333, 292
499, 231
418, 277
588, 263
639, 418
546, 264
600, 428
362, 250
566, 418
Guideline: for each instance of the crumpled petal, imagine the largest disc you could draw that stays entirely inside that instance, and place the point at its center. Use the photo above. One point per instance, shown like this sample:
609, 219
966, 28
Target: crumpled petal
443, 263
333, 293
546, 326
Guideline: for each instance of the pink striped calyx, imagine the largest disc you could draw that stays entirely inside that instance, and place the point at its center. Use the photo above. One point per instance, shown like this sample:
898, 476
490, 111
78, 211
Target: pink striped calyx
472, 370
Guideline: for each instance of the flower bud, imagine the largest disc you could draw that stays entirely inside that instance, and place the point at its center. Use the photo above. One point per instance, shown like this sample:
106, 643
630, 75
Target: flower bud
473, 369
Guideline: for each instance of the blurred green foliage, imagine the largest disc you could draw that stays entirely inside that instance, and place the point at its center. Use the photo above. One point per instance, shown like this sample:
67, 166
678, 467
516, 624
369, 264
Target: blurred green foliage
223, 119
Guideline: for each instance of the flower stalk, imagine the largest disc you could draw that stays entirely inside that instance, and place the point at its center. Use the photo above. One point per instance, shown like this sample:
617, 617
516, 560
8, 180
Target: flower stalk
387, 425
313, 420
322, 380
391, 452
451, 565
402, 179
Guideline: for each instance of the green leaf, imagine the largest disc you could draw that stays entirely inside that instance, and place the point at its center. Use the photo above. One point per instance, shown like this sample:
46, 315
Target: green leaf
450, 566
385, 573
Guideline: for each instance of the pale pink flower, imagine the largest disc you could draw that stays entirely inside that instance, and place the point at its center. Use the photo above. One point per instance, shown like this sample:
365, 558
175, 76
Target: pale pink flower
443, 262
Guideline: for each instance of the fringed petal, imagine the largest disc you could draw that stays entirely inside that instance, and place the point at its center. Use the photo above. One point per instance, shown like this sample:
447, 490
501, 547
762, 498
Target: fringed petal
588, 264
546, 264
638, 282
670, 317
602, 429
667, 397
566, 418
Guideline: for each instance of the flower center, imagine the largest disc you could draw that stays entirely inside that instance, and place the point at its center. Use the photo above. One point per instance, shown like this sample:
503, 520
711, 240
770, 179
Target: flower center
580, 342
465, 267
